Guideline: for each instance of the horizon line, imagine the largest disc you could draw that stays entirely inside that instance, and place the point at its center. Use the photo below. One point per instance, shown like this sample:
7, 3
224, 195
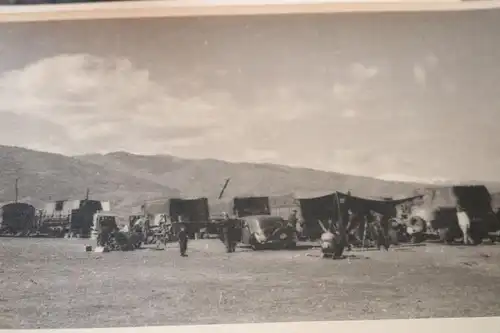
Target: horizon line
440, 181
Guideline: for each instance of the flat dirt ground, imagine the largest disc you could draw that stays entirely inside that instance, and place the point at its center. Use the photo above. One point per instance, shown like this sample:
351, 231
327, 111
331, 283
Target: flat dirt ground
54, 283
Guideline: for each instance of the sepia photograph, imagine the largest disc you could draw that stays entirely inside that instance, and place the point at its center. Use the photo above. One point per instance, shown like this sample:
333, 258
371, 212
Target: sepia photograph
249, 169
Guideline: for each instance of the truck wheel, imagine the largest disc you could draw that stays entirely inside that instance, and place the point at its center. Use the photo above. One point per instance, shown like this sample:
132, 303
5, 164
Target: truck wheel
393, 237
445, 235
418, 224
417, 238
253, 244
477, 238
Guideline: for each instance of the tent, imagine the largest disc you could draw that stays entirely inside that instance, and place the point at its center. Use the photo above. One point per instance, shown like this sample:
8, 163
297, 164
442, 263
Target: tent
334, 206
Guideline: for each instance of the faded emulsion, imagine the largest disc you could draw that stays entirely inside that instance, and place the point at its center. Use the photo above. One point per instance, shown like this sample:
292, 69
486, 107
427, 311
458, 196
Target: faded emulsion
216, 170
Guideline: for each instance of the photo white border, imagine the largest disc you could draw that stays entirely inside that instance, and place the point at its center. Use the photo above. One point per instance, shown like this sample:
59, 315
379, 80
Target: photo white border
186, 8
183, 8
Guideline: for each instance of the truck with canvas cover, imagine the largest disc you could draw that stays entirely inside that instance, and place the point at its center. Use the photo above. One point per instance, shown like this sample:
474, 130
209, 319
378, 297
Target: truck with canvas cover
248, 206
17, 219
194, 213
283, 206
437, 212
75, 217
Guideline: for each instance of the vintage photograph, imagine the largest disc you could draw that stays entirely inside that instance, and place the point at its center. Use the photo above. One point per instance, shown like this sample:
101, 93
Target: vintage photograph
241, 169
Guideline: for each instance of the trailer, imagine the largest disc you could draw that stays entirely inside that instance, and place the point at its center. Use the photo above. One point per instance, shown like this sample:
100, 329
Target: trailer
71, 217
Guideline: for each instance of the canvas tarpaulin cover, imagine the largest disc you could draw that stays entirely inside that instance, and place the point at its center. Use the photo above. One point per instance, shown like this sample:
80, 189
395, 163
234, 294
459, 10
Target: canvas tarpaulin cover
246, 206
61, 208
365, 205
82, 218
18, 216
335, 206
473, 198
193, 210
321, 208
495, 201
283, 205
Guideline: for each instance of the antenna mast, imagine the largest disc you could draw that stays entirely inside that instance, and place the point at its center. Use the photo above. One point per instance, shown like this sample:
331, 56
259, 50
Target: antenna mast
224, 188
17, 189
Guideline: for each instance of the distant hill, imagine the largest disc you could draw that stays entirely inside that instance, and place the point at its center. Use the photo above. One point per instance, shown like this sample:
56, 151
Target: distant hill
45, 176
128, 180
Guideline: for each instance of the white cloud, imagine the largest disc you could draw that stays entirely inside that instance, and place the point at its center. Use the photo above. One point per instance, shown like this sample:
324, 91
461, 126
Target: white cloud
355, 87
431, 60
100, 102
449, 86
344, 91
413, 179
261, 155
420, 75
349, 113
361, 72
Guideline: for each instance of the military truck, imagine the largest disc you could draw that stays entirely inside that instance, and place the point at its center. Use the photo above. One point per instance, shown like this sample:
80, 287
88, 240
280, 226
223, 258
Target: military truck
71, 217
435, 214
18, 219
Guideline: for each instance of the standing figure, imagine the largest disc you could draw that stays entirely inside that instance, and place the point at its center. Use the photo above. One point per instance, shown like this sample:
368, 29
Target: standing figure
145, 230
183, 240
379, 229
464, 224
292, 220
227, 233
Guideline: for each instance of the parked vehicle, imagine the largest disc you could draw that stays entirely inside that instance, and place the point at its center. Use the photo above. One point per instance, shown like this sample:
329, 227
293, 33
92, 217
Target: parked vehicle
260, 231
17, 218
436, 214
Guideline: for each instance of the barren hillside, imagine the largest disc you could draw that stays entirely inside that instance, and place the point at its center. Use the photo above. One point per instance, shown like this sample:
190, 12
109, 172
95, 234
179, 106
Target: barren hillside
127, 179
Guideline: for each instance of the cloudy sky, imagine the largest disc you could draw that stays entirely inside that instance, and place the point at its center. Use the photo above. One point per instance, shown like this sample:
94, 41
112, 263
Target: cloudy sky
395, 96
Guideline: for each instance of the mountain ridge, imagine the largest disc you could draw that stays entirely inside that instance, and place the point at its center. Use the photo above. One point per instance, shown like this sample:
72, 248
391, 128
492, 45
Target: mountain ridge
128, 179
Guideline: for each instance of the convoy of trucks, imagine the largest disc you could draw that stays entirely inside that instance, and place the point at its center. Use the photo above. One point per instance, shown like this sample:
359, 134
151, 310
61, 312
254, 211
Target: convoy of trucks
431, 213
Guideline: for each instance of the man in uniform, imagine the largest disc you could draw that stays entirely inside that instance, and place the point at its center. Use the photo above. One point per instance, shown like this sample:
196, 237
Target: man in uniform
227, 233
183, 240
292, 220
145, 229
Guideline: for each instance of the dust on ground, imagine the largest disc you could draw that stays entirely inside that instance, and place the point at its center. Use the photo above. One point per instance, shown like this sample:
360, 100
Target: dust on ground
54, 283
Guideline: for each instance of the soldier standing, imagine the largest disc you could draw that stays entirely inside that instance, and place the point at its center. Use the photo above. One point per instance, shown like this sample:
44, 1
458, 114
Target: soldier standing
233, 231
226, 232
292, 220
145, 230
183, 240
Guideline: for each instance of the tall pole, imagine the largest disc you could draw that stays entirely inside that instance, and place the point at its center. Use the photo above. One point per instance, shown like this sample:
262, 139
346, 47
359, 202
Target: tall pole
224, 188
17, 189
87, 194
340, 214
